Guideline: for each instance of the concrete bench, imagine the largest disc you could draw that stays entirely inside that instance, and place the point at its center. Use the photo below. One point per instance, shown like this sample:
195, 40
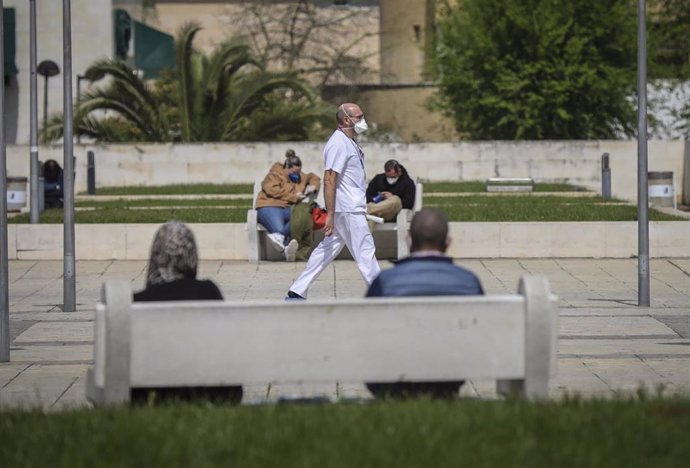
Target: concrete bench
509, 184
511, 338
259, 247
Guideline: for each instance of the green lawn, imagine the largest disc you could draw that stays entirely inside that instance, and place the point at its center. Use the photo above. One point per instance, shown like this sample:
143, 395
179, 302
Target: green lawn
466, 433
471, 204
539, 208
179, 189
207, 189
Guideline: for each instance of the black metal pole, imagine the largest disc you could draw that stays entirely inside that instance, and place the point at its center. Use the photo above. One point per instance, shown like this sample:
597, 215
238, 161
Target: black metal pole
4, 270
90, 173
45, 102
69, 286
642, 194
79, 78
33, 151
605, 177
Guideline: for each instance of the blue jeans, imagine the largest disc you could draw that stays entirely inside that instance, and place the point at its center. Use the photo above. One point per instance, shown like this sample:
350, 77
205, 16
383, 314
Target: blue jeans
275, 219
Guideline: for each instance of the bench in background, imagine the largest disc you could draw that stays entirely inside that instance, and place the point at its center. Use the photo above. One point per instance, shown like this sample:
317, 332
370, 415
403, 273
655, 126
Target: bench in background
259, 247
511, 338
508, 184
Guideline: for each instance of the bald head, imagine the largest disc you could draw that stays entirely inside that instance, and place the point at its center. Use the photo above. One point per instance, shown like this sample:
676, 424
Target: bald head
345, 110
429, 230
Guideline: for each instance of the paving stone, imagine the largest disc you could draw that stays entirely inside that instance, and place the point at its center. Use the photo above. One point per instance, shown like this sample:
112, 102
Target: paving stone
574, 377
40, 385
57, 332
51, 353
679, 323
613, 326
624, 347
626, 374
9, 371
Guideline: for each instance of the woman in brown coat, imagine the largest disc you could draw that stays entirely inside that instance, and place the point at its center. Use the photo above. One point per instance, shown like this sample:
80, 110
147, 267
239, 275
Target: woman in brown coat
284, 186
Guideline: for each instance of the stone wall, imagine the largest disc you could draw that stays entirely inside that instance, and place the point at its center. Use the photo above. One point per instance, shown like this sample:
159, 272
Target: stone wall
576, 162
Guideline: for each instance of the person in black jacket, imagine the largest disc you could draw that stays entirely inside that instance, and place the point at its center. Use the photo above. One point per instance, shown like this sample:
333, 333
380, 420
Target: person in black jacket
53, 186
171, 273
390, 192
171, 276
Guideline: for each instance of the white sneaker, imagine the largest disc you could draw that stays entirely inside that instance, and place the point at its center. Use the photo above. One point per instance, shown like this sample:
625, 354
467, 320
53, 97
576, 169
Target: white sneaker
291, 251
277, 239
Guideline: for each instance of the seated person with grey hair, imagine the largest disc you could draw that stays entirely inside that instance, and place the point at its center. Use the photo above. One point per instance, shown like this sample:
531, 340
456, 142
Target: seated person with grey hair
171, 276
171, 271
426, 272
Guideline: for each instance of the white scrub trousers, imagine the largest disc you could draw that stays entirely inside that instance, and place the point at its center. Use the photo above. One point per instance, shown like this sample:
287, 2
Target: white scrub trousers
351, 230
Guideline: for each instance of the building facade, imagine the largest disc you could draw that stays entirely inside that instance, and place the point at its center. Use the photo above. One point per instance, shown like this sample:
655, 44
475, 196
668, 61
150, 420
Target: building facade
92, 34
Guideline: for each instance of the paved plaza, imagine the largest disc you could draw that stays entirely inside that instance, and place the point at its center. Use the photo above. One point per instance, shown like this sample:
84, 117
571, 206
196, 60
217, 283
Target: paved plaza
607, 344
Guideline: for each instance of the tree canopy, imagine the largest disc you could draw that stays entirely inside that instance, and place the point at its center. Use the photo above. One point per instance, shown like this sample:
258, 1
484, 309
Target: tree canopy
226, 96
537, 69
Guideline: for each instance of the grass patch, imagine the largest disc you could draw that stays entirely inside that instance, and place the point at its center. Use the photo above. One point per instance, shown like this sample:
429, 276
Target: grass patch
611, 434
216, 189
539, 208
177, 189
477, 208
136, 216
153, 202
522, 207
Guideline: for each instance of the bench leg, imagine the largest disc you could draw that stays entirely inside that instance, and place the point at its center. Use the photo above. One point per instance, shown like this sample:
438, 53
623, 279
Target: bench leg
541, 335
401, 234
118, 298
541, 340
252, 237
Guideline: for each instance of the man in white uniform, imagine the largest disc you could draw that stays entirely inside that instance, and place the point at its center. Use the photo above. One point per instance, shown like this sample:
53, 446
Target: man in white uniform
345, 196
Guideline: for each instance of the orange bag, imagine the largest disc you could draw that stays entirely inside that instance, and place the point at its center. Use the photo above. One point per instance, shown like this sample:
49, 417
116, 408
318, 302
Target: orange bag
319, 216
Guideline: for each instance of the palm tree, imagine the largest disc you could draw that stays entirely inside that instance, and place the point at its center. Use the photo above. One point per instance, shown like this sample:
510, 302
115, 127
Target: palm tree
227, 96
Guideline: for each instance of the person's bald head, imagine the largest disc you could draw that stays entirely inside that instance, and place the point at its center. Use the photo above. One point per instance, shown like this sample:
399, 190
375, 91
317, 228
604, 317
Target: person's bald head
350, 111
429, 231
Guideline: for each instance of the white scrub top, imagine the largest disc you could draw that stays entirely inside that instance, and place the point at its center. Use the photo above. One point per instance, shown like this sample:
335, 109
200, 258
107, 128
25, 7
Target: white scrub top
344, 156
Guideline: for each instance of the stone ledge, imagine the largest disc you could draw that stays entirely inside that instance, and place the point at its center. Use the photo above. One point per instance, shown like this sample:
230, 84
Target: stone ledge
470, 240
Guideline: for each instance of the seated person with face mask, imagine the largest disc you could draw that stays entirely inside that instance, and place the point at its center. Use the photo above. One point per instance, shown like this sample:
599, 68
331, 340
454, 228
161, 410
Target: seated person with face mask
390, 192
284, 186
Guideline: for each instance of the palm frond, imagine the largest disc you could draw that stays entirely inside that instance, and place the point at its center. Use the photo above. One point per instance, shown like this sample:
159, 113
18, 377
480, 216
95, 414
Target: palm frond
184, 55
251, 92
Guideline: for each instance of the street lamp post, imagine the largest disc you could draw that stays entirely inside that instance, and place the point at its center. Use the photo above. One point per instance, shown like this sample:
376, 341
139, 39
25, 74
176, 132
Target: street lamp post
69, 275
4, 260
643, 299
33, 119
46, 69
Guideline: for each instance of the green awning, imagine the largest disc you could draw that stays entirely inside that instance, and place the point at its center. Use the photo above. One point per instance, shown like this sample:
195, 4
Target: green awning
9, 39
154, 50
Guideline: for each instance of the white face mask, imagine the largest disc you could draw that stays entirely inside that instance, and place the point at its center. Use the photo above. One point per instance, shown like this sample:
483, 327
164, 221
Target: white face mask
391, 180
361, 126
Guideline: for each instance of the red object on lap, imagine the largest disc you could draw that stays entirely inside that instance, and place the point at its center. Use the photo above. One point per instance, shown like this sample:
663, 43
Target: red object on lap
319, 216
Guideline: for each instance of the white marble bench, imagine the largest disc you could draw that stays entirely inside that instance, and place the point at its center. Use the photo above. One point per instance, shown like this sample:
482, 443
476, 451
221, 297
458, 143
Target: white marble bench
510, 184
258, 245
510, 338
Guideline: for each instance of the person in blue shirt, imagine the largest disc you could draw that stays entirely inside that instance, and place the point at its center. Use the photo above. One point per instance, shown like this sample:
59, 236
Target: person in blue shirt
426, 272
